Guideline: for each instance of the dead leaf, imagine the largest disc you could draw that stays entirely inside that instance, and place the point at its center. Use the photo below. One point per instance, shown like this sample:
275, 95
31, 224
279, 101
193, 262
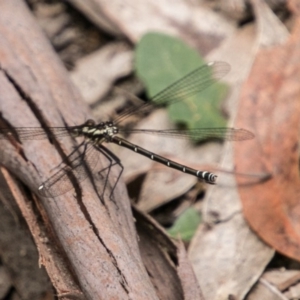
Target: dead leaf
135, 18
271, 98
221, 257
94, 74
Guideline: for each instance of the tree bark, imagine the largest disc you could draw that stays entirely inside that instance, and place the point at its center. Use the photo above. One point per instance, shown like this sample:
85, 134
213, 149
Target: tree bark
90, 249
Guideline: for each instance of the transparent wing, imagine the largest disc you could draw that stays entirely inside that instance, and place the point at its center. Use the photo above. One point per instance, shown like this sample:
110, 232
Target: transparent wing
229, 134
79, 165
194, 82
33, 133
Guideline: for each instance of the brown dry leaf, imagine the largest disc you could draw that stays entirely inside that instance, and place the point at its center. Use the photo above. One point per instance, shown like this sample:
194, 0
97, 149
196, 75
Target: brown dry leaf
281, 278
264, 290
220, 250
277, 284
271, 98
169, 184
293, 292
94, 74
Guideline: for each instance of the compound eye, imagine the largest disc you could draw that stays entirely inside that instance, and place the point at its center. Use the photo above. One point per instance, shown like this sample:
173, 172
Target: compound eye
90, 122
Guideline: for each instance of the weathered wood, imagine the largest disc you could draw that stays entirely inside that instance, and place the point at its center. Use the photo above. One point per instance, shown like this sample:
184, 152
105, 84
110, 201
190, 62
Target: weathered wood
97, 241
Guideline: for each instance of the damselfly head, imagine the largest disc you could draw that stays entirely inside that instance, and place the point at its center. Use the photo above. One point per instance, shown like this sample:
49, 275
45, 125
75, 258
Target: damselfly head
90, 122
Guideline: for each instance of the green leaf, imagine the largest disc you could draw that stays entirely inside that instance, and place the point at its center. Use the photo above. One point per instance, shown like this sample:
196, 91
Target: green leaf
186, 225
160, 60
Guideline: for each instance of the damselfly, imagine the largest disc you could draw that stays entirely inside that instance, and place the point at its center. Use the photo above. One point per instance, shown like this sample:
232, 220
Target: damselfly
78, 162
